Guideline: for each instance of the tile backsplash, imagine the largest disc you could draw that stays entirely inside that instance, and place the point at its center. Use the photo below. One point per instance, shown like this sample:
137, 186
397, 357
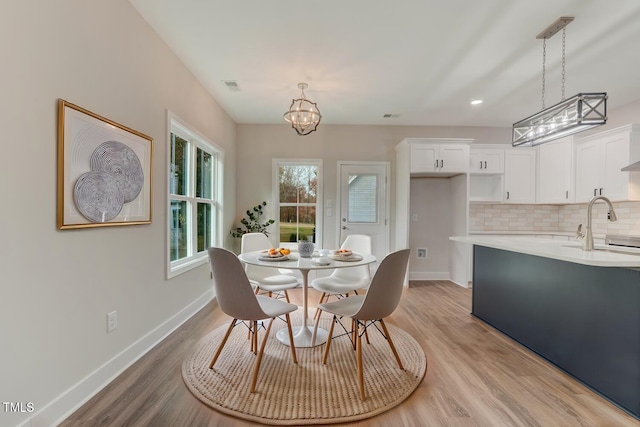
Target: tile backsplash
553, 218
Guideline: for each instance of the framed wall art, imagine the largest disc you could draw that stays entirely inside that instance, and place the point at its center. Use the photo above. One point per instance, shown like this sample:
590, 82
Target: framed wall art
104, 171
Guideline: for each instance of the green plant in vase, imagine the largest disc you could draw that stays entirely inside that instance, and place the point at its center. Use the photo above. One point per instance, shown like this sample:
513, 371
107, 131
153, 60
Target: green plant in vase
253, 222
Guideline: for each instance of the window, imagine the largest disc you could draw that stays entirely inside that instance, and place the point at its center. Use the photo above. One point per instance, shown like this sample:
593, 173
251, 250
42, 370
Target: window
298, 190
195, 196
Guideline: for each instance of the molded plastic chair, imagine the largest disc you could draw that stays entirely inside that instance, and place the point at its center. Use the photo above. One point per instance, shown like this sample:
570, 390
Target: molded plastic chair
263, 277
380, 301
344, 281
236, 299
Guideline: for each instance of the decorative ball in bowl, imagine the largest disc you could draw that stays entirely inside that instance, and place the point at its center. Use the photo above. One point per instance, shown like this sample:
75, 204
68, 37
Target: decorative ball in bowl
305, 248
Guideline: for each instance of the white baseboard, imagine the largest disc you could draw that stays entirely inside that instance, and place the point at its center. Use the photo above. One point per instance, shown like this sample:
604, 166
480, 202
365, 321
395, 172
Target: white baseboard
64, 405
429, 275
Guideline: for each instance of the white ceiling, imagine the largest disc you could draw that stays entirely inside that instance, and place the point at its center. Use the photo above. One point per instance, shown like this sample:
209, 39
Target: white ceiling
423, 60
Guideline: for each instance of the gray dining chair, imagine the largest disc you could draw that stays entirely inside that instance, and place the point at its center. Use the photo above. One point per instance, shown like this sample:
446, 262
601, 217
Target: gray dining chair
262, 277
237, 299
370, 309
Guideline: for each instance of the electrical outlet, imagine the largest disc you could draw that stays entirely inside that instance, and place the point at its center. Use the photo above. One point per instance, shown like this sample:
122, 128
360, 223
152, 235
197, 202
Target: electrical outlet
112, 321
414, 217
422, 253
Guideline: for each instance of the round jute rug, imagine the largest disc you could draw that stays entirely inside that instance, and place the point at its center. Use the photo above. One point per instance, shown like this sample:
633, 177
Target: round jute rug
309, 392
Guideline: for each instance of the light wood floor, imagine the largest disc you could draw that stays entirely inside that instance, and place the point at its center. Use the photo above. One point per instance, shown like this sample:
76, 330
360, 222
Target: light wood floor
475, 377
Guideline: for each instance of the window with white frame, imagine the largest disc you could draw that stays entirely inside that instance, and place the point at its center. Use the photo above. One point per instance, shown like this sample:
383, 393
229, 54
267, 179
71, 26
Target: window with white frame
195, 197
297, 192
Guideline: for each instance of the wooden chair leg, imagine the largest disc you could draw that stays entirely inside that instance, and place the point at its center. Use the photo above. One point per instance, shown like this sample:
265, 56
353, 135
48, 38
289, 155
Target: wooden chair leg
291, 344
359, 362
366, 335
354, 332
286, 296
255, 337
393, 348
254, 379
224, 341
328, 343
318, 311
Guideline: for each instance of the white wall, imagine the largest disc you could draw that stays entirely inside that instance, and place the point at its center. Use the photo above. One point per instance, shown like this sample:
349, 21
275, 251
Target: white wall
431, 204
57, 286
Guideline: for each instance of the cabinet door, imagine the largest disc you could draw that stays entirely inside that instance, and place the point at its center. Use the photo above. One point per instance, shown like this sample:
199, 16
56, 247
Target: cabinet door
555, 172
423, 157
486, 160
453, 158
614, 156
476, 161
588, 170
493, 161
520, 176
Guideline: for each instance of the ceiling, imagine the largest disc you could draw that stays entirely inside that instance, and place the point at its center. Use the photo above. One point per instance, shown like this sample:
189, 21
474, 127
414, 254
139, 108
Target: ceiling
422, 61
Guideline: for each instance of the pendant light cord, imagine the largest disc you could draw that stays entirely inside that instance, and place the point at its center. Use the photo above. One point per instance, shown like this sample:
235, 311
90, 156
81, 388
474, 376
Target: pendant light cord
564, 32
544, 59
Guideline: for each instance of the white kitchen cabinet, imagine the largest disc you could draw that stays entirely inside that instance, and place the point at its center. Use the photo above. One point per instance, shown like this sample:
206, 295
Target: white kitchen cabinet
599, 160
520, 176
443, 157
555, 172
486, 160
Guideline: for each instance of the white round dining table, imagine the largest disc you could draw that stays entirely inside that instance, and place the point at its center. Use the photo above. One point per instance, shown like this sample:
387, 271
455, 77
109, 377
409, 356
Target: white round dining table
303, 334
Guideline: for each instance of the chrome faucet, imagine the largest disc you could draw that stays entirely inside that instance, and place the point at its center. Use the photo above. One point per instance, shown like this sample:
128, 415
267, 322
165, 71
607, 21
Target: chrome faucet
587, 243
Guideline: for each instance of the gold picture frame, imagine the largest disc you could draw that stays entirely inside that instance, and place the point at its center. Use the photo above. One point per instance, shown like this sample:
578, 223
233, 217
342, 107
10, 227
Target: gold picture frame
104, 171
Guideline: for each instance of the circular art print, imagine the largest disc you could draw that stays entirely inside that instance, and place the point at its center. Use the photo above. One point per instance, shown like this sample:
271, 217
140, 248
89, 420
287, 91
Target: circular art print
122, 163
98, 196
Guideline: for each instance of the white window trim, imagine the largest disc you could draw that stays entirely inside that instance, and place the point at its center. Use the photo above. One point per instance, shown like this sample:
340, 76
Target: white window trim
276, 197
175, 268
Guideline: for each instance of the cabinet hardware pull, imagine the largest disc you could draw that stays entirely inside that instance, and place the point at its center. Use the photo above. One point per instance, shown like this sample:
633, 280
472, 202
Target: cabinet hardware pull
480, 164
507, 195
441, 163
601, 191
566, 194
436, 166
485, 164
595, 191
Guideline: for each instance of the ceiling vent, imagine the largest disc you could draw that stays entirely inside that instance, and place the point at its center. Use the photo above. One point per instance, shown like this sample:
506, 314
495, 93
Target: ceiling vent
391, 116
232, 85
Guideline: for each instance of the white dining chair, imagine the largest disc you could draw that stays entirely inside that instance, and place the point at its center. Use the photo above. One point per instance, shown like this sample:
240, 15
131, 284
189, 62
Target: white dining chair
236, 299
367, 310
262, 277
344, 281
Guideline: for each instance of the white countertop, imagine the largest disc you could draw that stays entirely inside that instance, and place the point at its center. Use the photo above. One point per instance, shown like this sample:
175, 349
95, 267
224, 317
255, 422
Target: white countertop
570, 251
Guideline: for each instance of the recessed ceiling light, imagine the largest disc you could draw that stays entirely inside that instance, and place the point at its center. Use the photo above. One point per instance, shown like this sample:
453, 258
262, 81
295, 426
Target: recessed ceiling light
476, 102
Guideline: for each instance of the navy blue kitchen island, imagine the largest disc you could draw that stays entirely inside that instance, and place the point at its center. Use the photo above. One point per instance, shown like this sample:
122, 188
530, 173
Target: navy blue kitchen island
583, 318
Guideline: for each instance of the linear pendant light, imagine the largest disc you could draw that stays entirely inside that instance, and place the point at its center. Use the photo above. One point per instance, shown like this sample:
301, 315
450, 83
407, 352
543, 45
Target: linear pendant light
570, 116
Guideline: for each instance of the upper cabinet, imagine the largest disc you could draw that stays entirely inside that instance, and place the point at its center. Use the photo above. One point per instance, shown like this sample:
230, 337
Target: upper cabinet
520, 176
485, 159
438, 156
555, 172
599, 160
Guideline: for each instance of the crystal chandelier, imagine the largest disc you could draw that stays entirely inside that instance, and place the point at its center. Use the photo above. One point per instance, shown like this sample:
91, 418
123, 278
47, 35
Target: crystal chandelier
303, 114
576, 114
